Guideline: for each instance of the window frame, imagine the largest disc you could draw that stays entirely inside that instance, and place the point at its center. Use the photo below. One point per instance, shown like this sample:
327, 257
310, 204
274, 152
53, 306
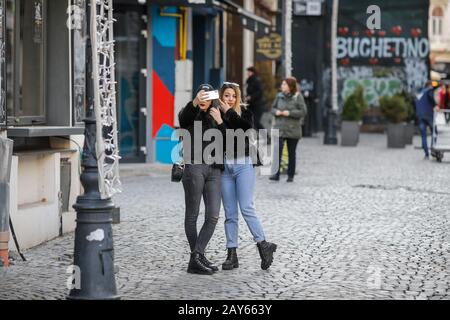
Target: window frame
40, 118
78, 72
437, 20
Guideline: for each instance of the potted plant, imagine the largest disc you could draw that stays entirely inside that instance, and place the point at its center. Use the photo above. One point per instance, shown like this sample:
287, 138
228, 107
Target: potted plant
395, 110
354, 107
409, 127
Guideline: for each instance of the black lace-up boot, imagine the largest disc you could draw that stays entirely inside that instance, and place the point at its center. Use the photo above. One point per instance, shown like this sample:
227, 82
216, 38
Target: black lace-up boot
197, 266
232, 260
266, 250
208, 263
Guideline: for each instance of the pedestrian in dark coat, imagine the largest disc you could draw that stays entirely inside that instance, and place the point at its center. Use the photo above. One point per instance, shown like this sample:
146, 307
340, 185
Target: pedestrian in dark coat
255, 97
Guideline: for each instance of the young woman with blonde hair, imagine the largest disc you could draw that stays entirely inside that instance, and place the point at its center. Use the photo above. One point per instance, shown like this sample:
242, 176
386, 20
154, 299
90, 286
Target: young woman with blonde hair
238, 181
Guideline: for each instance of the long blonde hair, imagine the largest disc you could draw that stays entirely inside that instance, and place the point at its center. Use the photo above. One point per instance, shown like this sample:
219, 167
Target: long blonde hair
238, 105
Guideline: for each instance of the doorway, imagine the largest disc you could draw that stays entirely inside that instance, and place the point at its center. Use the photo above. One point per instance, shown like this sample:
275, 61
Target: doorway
131, 81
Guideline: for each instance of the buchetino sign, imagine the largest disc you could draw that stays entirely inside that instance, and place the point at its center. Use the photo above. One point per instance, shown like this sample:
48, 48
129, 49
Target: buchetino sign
400, 36
384, 58
382, 48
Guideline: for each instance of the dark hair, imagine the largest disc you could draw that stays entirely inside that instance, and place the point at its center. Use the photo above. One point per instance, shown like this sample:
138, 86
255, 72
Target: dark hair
252, 69
205, 87
292, 84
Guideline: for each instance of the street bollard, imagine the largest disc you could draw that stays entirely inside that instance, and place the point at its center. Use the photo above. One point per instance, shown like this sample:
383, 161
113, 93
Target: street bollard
6, 147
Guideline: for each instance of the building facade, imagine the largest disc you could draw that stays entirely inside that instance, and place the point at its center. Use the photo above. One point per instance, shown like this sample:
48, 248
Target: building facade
439, 34
166, 49
41, 114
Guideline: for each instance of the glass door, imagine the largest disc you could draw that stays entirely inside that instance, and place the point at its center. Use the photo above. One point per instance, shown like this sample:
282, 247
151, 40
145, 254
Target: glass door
131, 99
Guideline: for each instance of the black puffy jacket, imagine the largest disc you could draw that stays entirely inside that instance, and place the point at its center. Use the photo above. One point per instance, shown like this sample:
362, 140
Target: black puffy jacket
245, 122
187, 117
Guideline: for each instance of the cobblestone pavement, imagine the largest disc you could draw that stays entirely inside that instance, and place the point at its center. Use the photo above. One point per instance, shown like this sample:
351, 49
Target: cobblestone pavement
357, 223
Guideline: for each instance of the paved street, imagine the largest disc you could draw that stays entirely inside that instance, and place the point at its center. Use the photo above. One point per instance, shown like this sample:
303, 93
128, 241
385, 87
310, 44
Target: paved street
357, 223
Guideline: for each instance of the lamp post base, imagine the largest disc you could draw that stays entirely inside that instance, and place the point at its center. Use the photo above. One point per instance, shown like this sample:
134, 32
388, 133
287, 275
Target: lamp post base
94, 277
330, 137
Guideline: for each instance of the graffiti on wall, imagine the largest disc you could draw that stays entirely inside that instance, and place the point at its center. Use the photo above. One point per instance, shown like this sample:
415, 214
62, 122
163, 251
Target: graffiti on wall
416, 73
374, 88
377, 81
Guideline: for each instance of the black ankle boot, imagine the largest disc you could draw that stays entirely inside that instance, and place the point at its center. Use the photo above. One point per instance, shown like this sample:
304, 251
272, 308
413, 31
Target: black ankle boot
266, 250
232, 260
197, 266
275, 177
208, 263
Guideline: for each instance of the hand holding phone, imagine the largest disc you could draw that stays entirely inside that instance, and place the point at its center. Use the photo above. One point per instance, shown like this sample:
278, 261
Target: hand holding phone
212, 95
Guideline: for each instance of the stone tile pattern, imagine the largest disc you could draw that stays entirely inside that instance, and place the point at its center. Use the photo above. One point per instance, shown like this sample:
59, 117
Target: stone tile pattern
357, 223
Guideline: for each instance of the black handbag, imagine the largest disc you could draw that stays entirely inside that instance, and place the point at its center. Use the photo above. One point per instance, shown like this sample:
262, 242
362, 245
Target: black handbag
178, 168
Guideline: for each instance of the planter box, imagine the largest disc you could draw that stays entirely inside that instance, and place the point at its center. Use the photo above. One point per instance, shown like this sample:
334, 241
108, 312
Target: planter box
409, 133
396, 135
349, 133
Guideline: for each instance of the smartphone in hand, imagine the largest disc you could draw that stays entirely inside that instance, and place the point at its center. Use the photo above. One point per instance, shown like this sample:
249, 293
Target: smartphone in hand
212, 95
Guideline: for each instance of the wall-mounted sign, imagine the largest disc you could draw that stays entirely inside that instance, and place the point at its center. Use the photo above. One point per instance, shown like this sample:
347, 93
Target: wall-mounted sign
269, 47
308, 7
403, 35
383, 61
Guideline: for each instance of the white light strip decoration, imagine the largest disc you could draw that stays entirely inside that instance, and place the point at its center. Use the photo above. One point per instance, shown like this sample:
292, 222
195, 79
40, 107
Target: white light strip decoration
105, 96
2, 65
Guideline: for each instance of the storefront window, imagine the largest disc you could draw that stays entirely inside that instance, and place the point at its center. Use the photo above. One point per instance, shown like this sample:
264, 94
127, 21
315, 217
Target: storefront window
78, 25
25, 23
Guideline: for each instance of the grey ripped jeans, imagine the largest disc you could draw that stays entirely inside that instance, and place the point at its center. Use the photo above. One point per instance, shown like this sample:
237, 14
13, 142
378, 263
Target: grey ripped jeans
201, 180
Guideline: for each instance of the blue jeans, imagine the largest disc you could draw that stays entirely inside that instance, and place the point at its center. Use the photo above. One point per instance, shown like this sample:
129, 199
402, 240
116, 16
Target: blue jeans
423, 125
238, 186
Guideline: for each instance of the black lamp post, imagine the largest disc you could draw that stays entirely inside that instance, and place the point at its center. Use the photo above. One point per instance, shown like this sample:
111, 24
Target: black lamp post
330, 136
94, 250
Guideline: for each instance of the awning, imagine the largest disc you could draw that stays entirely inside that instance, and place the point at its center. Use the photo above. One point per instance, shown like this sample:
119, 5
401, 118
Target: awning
249, 20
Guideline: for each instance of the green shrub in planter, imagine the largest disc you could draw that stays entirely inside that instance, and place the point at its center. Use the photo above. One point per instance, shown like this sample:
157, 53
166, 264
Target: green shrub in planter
410, 126
395, 110
354, 108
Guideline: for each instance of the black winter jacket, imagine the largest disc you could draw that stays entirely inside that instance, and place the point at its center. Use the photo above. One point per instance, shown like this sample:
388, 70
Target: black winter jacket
245, 122
255, 91
187, 118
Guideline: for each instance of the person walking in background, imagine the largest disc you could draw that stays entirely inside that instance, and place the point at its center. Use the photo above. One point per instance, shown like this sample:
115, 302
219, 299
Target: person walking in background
425, 105
202, 179
255, 97
289, 109
238, 182
444, 100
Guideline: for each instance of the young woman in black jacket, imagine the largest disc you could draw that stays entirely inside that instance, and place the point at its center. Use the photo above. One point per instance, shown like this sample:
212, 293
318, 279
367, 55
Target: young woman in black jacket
238, 179
201, 177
